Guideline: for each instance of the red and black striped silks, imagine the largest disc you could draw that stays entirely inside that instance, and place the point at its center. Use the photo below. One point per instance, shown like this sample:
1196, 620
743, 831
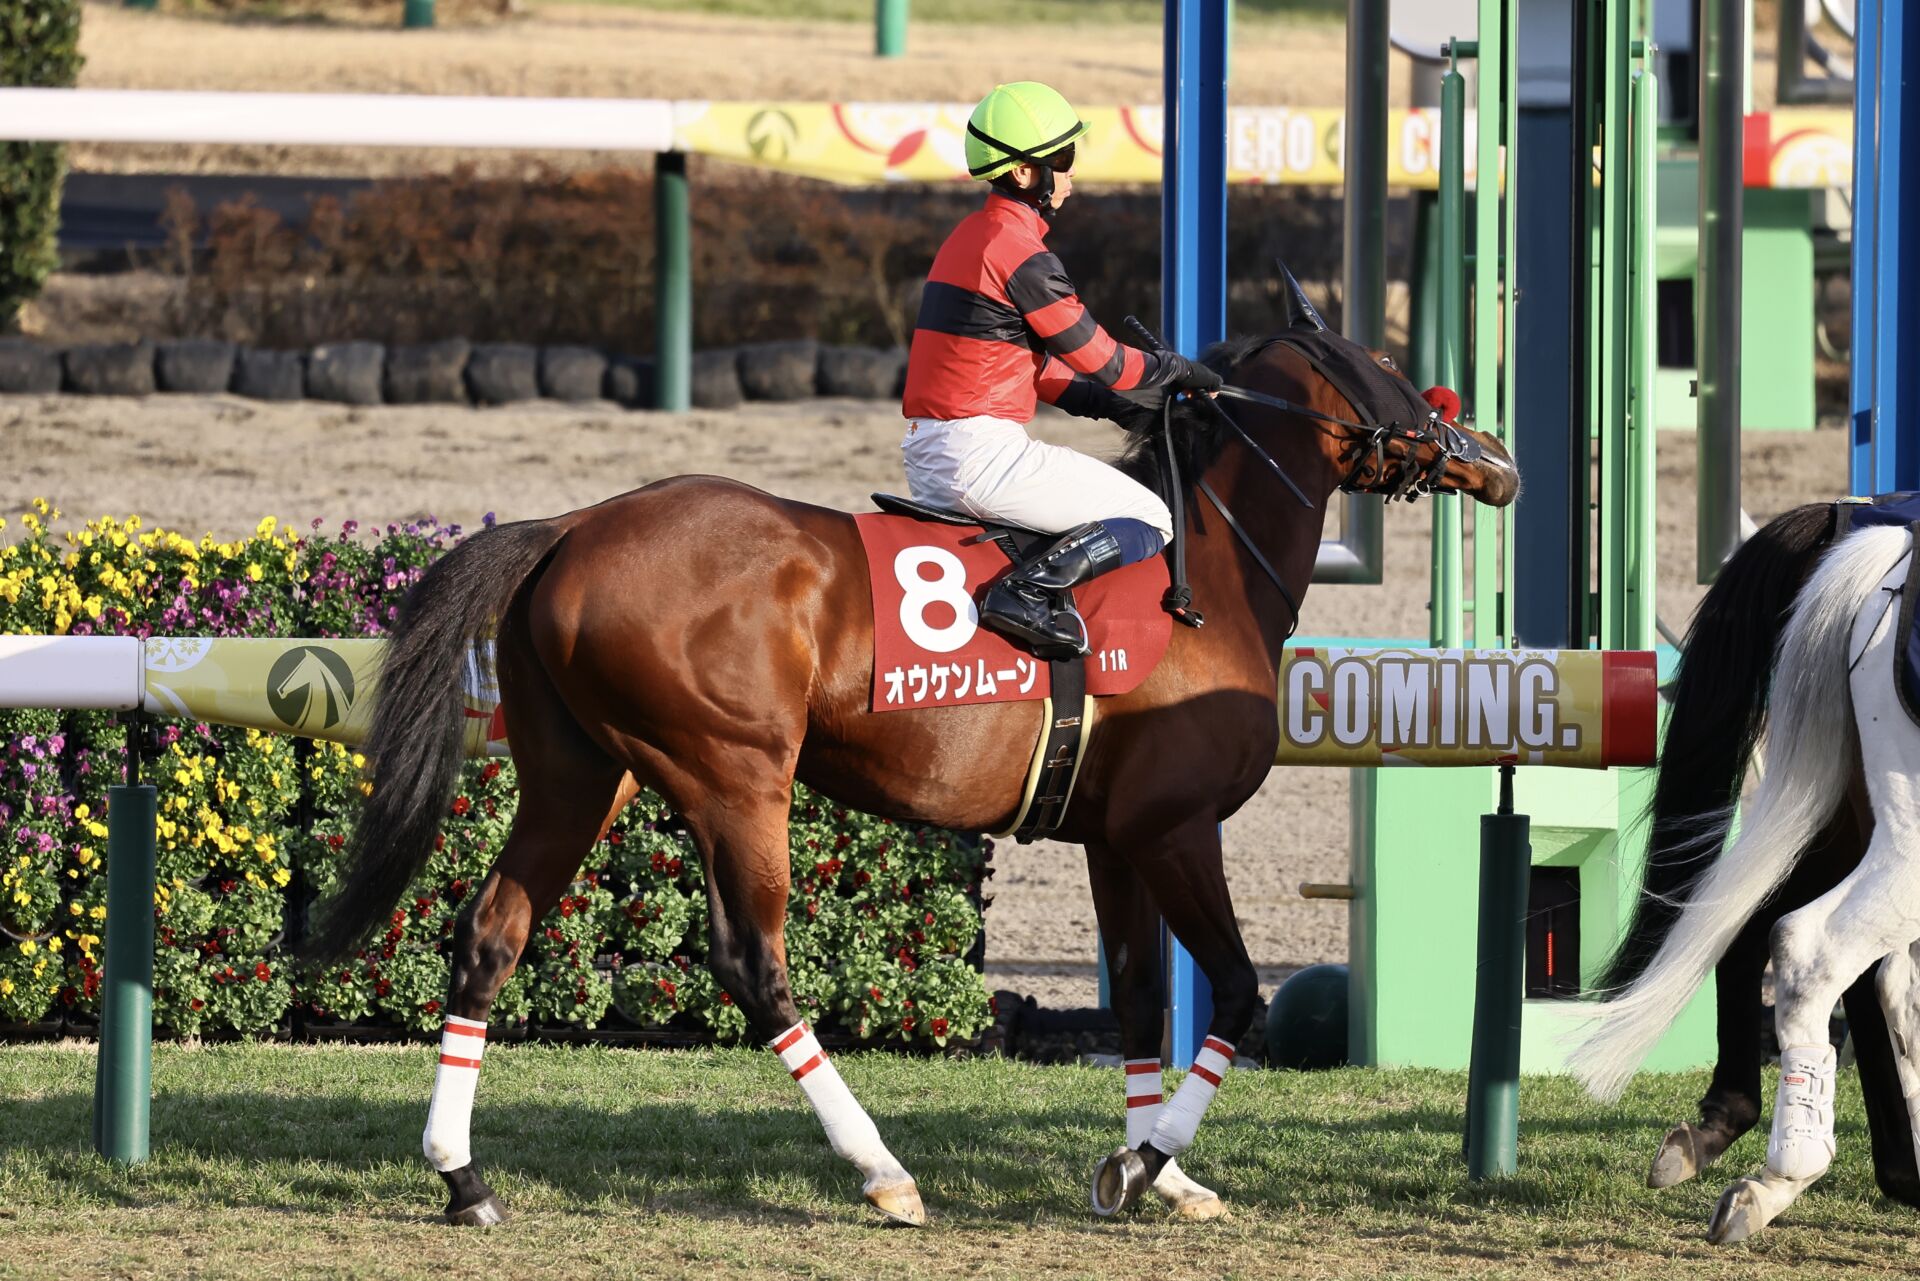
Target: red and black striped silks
1001, 325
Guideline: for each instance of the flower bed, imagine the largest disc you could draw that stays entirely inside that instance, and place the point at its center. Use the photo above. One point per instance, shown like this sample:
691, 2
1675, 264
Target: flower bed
882, 920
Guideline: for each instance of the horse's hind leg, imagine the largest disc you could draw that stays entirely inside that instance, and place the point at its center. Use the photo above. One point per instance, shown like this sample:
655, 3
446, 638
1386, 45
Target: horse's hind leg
745, 845
569, 792
1821, 949
1130, 930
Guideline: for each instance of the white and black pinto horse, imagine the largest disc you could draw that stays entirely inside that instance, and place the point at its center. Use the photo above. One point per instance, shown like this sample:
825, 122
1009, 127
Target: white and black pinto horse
1798, 646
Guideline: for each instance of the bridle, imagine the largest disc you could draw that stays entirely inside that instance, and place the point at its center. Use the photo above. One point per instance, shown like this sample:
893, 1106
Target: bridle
1395, 475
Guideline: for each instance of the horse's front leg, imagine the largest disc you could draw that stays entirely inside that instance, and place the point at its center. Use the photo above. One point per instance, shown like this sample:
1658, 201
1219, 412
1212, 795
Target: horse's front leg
1731, 1105
1187, 885
1130, 931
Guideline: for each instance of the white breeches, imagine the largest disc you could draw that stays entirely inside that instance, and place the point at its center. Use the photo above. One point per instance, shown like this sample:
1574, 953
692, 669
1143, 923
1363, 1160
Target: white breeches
990, 468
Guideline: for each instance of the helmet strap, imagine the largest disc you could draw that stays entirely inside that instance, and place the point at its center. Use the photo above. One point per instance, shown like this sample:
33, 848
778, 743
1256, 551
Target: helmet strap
1040, 195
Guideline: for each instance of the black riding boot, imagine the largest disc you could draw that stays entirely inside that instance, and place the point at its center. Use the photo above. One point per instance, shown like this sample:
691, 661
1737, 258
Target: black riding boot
1032, 601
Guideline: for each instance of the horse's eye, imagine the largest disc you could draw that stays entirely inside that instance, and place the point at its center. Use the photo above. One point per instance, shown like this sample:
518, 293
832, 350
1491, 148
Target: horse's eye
1388, 362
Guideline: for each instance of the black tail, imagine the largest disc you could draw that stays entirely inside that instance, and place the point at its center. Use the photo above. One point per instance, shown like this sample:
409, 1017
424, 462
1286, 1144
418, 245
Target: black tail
415, 745
1719, 703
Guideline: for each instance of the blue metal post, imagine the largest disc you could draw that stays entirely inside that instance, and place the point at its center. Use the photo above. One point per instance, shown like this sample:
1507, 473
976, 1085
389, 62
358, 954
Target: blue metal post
1896, 330
1860, 470
1193, 311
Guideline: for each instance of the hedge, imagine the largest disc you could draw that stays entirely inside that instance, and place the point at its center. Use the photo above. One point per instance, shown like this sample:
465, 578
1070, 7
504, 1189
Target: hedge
39, 47
884, 918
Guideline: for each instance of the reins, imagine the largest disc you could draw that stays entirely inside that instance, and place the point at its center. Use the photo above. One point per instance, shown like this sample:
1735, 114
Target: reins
1365, 443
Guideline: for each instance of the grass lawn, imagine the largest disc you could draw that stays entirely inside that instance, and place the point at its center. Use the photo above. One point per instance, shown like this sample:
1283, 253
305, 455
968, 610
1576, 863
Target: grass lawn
275, 1162
986, 12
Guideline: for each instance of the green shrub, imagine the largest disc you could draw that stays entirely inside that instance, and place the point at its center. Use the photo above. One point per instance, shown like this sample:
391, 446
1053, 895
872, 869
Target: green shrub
39, 47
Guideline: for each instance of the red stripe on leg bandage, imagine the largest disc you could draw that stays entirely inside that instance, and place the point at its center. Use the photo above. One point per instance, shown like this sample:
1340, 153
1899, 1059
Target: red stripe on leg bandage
1143, 1100
452, 1061
787, 1039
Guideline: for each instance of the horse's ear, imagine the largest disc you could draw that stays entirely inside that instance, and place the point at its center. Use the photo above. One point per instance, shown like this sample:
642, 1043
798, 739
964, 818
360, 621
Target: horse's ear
1298, 310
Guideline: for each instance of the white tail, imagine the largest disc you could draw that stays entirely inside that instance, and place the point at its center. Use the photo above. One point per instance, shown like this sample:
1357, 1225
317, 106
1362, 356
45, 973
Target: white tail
1812, 749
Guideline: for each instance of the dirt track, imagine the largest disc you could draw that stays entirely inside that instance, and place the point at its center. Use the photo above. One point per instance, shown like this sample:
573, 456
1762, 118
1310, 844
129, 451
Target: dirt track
602, 51
221, 463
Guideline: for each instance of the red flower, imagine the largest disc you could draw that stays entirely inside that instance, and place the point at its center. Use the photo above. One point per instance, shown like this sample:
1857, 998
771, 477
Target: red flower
874, 992
813, 909
658, 862
491, 772
939, 1027
929, 918
461, 805
431, 1007
382, 988
726, 999
262, 973
673, 866
197, 1003
861, 878
614, 838
906, 1024
566, 907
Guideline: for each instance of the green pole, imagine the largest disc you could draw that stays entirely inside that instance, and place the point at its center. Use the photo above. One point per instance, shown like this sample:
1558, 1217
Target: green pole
1447, 626
418, 14
1638, 568
139, 4
890, 28
673, 303
1493, 1074
124, 1080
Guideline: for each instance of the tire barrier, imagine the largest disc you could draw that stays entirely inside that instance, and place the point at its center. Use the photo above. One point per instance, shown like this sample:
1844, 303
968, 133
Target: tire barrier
451, 371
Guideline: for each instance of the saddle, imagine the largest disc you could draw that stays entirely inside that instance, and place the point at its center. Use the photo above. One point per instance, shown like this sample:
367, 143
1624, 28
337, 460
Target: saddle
1069, 708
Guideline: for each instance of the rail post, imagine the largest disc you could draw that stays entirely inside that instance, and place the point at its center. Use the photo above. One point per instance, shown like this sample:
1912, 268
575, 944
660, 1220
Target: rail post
890, 28
124, 1081
673, 284
417, 15
1447, 625
1493, 1074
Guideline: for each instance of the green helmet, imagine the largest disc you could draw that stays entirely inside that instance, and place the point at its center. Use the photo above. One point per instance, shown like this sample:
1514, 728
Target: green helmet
1024, 121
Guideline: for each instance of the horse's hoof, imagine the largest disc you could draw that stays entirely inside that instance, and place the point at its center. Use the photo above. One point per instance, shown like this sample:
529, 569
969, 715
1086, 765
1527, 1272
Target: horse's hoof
482, 1214
1739, 1214
471, 1203
1678, 1159
1118, 1182
899, 1203
1184, 1198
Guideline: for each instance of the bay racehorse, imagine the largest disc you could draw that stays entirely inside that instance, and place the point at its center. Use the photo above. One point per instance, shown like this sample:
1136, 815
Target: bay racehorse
1794, 648
714, 643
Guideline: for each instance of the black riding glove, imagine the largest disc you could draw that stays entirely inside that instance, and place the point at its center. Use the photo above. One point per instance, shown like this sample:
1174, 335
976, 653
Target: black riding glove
1192, 376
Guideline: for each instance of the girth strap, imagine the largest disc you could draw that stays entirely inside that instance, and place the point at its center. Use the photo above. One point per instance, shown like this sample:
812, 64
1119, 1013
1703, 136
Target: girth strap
1057, 756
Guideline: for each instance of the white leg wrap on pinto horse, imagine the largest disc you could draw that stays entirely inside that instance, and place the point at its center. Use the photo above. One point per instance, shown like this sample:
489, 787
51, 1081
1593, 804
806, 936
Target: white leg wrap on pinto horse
849, 1129
447, 1140
1178, 1121
1801, 1146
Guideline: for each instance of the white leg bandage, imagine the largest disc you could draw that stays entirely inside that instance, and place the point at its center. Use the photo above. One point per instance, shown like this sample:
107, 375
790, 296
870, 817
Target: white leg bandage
1143, 1099
1801, 1146
1173, 1131
450, 1116
849, 1129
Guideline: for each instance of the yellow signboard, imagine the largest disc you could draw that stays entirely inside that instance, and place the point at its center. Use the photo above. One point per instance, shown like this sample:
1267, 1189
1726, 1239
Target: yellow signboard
1371, 707
313, 688
926, 142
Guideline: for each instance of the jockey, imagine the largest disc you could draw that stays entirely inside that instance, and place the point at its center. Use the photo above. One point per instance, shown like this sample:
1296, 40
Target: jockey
1000, 325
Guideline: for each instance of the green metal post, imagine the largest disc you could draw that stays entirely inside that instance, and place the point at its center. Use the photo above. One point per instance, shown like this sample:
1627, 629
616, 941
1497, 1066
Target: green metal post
124, 1081
1612, 329
673, 284
417, 14
1493, 1077
1447, 628
1484, 390
1717, 283
140, 4
1637, 568
890, 28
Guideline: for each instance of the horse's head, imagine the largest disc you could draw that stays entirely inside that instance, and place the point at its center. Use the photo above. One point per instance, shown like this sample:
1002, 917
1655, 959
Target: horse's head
1380, 434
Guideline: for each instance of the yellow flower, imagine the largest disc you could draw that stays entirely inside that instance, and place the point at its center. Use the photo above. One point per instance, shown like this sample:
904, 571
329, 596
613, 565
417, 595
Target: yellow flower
53, 944
40, 505
266, 527
254, 572
6, 987
28, 947
74, 909
98, 912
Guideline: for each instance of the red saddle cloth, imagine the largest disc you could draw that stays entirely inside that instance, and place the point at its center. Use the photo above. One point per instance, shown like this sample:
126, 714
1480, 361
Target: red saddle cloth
929, 649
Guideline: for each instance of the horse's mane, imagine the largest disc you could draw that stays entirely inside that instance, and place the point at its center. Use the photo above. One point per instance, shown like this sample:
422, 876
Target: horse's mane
1198, 435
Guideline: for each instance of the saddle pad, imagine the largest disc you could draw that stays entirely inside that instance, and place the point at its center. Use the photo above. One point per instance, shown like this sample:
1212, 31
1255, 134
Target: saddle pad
929, 649
1901, 509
